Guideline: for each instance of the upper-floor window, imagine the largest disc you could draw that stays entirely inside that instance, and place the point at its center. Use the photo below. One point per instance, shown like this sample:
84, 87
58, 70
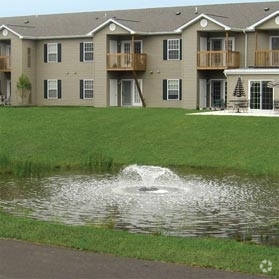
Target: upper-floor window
29, 57
86, 89
172, 89
274, 43
86, 51
52, 89
52, 52
221, 44
172, 49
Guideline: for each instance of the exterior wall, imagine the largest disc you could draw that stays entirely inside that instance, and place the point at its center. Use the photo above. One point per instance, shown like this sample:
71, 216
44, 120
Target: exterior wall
70, 71
191, 44
246, 78
158, 70
101, 48
16, 65
30, 70
269, 24
239, 46
251, 48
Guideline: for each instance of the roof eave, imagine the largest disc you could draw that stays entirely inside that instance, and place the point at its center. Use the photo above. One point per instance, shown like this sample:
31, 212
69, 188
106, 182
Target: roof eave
255, 25
3, 26
56, 37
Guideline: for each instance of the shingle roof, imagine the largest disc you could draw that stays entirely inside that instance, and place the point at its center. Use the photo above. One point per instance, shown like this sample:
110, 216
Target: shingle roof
168, 19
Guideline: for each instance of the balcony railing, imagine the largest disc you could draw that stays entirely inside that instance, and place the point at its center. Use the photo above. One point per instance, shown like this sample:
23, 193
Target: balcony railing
126, 62
218, 60
267, 58
5, 63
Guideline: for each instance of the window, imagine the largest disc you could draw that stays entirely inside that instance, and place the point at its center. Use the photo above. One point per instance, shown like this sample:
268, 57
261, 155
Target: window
29, 57
86, 51
172, 89
52, 52
86, 89
52, 89
172, 49
261, 96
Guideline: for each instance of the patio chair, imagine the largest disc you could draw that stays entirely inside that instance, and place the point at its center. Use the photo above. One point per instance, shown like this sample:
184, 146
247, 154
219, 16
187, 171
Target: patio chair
7, 101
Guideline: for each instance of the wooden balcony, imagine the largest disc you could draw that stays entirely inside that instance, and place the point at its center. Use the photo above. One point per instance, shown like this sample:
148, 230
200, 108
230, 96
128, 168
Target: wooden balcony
5, 63
126, 62
267, 58
218, 60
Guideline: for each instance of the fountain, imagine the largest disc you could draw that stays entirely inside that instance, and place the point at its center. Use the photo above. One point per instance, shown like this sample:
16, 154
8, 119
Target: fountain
151, 179
149, 199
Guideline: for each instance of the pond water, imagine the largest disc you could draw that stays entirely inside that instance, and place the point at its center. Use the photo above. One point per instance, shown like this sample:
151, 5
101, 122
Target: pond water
150, 199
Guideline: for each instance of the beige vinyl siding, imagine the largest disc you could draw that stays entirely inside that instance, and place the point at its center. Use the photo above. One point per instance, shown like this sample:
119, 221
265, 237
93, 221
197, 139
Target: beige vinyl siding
269, 24
16, 65
70, 71
232, 80
158, 70
30, 72
251, 47
101, 77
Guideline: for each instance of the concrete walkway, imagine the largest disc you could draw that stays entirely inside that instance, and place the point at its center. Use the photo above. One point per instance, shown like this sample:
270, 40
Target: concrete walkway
259, 113
23, 260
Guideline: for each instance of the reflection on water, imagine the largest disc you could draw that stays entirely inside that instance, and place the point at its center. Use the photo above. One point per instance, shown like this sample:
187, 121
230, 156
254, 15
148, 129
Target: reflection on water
188, 205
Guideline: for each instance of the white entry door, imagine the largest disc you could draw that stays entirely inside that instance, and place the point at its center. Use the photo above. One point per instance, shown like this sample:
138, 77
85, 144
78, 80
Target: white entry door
129, 93
9, 85
113, 92
202, 98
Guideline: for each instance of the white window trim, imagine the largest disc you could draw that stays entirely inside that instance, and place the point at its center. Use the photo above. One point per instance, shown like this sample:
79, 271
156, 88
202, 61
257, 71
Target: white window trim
223, 42
178, 90
260, 81
130, 42
49, 53
168, 49
270, 41
84, 52
84, 89
48, 88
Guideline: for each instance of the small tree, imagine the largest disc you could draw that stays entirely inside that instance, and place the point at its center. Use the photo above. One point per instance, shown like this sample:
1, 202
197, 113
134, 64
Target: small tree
24, 88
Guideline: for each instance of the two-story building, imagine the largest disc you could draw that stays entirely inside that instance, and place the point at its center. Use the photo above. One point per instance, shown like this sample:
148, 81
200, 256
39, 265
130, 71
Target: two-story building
182, 57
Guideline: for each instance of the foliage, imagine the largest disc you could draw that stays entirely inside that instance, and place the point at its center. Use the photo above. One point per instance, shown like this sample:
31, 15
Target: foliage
23, 83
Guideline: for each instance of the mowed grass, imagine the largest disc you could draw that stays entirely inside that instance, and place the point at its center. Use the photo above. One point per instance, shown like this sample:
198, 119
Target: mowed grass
72, 138
206, 252
68, 136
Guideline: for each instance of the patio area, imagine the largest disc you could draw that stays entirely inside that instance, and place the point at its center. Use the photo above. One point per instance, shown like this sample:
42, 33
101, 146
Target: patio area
259, 113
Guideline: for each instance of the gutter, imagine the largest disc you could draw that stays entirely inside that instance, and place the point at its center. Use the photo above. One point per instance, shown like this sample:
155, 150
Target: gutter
55, 37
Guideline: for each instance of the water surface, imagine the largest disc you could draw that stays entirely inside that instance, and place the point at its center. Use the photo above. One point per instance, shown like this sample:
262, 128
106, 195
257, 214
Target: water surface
182, 205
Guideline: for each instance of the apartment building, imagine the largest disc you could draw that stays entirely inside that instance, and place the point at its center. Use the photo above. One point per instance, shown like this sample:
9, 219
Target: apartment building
179, 57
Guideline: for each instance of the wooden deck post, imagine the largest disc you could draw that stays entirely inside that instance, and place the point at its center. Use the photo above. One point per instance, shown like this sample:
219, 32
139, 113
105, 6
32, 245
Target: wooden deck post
139, 89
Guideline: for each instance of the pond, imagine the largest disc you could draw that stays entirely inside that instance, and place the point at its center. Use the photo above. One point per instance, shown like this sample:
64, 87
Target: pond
150, 199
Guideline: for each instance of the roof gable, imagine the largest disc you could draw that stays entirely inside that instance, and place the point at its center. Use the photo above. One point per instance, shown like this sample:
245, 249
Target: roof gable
109, 21
265, 19
202, 16
3, 26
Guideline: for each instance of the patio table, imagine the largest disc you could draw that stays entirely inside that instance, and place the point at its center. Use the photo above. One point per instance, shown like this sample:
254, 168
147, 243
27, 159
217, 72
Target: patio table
239, 105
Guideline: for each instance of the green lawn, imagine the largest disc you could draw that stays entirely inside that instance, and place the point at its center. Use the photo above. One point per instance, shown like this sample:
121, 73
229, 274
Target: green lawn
166, 137
206, 252
74, 138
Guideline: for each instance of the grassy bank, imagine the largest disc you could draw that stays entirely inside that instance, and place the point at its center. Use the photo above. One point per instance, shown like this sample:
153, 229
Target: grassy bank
53, 138
38, 140
205, 252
